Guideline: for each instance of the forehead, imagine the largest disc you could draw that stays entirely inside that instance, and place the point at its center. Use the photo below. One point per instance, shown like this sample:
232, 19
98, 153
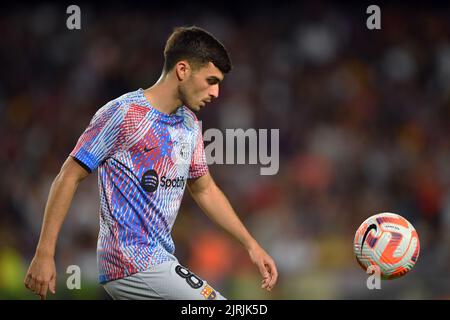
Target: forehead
210, 70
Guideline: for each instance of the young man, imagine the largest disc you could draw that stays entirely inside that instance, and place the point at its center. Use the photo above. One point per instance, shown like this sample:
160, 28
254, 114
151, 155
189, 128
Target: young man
147, 146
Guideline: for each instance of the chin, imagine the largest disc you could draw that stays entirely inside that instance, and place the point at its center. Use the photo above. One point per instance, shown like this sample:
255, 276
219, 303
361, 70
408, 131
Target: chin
194, 108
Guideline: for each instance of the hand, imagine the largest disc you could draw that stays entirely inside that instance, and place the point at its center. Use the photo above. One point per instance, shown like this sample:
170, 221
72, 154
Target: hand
266, 266
41, 276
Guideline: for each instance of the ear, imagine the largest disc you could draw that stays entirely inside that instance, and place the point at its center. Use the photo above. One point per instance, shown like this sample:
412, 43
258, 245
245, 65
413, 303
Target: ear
182, 70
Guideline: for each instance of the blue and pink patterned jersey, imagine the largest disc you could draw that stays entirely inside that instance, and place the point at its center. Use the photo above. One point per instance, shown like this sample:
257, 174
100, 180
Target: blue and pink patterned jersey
144, 158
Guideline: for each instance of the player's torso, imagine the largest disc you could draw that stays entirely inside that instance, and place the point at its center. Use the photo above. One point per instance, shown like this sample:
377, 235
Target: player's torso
149, 175
161, 158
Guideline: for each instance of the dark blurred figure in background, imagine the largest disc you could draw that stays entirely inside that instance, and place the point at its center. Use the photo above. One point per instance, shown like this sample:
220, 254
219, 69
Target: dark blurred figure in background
364, 128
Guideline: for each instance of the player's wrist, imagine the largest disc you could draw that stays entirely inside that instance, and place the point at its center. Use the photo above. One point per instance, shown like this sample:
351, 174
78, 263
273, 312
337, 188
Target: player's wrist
43, 252
251, 244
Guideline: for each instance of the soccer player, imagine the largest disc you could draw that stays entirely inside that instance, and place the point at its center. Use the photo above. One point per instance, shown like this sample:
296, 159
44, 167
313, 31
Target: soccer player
148, 146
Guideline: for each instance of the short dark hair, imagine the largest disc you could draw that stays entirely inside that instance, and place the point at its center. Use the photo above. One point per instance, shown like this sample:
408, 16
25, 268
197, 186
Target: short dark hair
198, 47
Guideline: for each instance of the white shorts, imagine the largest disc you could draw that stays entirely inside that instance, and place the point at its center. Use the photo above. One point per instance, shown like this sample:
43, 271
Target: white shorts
169, 281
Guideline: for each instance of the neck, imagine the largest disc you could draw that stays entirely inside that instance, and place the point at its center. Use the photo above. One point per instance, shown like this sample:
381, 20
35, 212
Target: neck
163, 95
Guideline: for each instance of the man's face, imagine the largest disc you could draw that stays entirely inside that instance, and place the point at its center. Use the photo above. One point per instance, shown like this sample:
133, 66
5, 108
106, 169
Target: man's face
200, 86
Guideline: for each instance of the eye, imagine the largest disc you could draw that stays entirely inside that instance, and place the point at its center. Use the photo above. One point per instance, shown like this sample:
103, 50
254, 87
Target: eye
212, 81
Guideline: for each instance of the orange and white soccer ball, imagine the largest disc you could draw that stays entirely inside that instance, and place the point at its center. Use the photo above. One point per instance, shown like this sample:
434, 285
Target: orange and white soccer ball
389, 241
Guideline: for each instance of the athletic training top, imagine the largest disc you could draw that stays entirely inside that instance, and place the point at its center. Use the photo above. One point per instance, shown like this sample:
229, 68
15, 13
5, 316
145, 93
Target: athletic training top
144, 158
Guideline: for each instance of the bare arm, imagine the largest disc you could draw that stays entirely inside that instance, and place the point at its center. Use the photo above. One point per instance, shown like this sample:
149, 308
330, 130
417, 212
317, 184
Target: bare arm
41, 274
217, 207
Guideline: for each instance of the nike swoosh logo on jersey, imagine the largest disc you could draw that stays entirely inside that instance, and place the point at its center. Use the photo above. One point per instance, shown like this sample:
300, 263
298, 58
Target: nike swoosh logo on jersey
370, 228
150, 149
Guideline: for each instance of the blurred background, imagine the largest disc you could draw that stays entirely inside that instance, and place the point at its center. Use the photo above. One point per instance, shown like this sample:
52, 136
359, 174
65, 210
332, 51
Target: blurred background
364, 119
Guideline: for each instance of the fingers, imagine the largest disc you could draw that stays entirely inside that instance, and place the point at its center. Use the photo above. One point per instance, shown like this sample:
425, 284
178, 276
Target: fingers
31, 284
274, 275
41, 276
270, 280
266, 281
39, 287
43, 295
52, 285
27, 281
266, 267
43, 291
263, 270
265, 274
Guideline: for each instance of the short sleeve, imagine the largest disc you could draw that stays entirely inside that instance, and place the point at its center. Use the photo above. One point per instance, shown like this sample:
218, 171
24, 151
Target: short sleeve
198, 166
104, 136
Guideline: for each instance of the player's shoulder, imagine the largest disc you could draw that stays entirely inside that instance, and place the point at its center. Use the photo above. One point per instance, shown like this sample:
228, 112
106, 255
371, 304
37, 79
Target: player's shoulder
132, 100
126, 102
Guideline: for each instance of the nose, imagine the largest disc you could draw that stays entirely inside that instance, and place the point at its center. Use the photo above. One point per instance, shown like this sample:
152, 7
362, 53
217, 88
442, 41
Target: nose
214, 92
